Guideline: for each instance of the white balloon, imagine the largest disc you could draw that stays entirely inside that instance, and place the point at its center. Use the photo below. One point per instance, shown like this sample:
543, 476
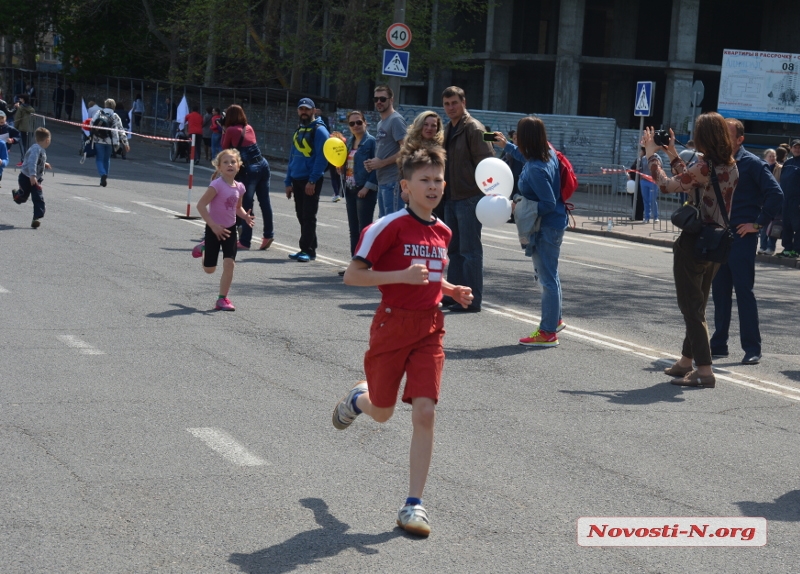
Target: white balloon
630, 187
493, 210
494, 176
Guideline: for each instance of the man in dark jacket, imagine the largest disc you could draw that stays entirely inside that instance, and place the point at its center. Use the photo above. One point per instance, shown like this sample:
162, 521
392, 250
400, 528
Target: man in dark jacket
69, 100
463, 140
756, 202
790, 183
58, 101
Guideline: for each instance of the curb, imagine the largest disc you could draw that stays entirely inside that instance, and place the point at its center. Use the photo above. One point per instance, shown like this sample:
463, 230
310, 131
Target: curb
769, 259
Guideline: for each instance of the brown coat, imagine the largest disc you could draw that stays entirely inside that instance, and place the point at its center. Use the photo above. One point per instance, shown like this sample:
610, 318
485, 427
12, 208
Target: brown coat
465, 150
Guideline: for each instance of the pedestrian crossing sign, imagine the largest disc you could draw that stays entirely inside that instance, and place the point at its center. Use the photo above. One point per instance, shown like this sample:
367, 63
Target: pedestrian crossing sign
395, 63
643, 105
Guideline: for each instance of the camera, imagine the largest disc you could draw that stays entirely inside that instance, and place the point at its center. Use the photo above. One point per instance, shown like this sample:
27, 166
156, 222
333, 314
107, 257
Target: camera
661, 138
489, 136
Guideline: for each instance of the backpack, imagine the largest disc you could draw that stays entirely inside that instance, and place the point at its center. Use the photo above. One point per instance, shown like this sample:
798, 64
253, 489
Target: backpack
103, 120
569, 182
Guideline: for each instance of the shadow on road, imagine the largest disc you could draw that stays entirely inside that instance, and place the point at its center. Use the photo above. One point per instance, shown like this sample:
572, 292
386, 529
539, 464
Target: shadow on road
180, 310
793, 375
660, 393
313, 546
785, 508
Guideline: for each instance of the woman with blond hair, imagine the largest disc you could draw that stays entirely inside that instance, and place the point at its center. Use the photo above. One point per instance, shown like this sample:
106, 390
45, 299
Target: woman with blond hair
693, 276
427, 130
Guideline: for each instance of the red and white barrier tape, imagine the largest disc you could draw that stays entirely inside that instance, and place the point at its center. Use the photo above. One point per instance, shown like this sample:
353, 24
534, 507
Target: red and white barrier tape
83, 128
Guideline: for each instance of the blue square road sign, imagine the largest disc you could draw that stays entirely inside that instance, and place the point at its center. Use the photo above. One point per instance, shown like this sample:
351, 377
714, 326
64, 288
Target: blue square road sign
643, 104
395, 63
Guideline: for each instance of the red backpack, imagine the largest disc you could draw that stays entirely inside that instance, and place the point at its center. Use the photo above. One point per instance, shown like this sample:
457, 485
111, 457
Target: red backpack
569, 181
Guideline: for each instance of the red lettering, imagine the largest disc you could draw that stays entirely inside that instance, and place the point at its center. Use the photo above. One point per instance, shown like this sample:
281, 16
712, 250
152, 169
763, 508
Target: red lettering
642, 532
655, 532
614, 532
696, 530
594, 530
722, 532
628, 533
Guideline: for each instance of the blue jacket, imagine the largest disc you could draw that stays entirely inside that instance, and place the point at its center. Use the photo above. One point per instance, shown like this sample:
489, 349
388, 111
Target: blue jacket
306, 161
365, 151
540, 181
3, 156
790, 178
758, 197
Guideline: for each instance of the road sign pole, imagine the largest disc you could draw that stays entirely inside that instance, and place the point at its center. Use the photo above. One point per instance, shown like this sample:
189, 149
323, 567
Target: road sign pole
636, 166
399, 16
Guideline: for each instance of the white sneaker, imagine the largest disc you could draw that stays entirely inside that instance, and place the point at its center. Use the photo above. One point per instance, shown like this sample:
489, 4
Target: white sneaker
335, 198
344, 413
413, 518
761, 251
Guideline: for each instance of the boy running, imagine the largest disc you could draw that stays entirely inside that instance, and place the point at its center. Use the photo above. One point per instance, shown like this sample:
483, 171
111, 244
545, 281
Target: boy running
32, 174
407, 247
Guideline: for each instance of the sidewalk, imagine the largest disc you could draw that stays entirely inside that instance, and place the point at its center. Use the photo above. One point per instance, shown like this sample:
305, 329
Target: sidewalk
650, 233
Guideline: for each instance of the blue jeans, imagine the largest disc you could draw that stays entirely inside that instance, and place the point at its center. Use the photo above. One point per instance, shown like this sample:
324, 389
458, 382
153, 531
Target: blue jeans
738, 274
216, 144
545, 265
360, 212
650, 199
466, 249
389, 199
256, 182
103, 157
766, 242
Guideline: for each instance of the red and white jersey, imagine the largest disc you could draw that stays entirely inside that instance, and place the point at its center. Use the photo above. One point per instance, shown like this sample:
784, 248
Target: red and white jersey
396, 242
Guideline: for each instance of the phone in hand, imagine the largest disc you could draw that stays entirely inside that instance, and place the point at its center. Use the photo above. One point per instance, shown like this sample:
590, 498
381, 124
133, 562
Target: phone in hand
489, 136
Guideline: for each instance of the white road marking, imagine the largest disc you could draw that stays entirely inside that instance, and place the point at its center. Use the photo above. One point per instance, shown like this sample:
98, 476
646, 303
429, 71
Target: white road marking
151, 206
3, 290
632, 348
227, 446
83, 347
172, 165
110, 208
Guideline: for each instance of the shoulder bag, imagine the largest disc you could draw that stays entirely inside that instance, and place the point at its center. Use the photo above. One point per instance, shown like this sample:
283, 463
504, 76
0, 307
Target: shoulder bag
714, 243
687, 216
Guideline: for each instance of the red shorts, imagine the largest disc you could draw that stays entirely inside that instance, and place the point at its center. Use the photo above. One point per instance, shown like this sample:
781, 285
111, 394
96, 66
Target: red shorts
409, 342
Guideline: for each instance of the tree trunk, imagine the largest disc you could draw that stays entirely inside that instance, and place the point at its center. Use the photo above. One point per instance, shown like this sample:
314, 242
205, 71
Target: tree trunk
211, 58
298, 60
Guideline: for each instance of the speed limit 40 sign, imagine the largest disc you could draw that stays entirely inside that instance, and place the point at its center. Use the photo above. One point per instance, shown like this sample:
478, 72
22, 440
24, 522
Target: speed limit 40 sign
398, 35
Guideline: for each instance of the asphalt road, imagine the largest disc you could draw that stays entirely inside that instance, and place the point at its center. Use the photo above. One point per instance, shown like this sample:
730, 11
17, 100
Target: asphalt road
141, 431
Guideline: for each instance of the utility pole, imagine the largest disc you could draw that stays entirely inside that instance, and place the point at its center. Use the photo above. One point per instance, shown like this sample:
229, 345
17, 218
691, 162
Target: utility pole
399, 16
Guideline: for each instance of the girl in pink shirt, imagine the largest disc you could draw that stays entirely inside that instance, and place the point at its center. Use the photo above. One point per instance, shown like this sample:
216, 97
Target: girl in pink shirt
218, 207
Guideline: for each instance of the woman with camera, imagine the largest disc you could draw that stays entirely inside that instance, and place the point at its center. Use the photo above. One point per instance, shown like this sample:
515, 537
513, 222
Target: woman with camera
692, 275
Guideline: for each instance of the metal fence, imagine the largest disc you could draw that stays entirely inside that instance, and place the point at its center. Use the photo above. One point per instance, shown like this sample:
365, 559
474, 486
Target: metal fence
271, 112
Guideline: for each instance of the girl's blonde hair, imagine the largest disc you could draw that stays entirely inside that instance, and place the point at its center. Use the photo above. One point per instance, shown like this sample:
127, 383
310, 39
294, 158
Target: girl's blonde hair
234, 152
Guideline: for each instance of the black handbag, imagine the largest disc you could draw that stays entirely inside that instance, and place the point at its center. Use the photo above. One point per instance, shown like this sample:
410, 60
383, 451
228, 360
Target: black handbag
687, 216
714, 243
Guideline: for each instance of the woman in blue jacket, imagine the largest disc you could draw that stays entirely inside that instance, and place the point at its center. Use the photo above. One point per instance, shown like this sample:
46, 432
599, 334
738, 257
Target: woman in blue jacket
540, 182
361, 187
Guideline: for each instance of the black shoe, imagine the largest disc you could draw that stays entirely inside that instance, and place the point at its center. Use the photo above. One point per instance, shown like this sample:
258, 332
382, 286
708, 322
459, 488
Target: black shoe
719, 354
447, 301
456, 308
751, 358
36, 223
103, 179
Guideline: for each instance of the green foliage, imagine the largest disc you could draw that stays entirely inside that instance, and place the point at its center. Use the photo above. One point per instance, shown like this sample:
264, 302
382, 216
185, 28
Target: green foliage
241, 42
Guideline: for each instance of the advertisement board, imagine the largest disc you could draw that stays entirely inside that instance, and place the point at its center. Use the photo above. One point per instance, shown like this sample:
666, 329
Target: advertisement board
760, 86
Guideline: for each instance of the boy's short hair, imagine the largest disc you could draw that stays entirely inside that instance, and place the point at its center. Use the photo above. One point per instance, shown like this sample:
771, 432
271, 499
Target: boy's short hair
41, 134
422, 157
109, 103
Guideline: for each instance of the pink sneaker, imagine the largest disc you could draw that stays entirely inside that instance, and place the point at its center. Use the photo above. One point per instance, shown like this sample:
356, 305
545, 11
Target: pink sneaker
225, 304
198, 249
240, 247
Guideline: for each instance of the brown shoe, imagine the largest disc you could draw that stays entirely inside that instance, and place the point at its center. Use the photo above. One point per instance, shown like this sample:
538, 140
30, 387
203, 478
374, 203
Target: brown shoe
694, 379
677, 371
265, 243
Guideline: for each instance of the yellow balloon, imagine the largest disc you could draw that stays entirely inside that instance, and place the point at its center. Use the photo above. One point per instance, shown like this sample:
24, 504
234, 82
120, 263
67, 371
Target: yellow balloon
335, 152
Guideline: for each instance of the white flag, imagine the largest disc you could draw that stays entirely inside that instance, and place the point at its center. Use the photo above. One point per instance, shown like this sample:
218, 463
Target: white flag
84, 114
183, 111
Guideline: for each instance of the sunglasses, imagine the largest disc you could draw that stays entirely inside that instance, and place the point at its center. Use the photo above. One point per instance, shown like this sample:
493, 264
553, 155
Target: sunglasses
380, 99
356, 123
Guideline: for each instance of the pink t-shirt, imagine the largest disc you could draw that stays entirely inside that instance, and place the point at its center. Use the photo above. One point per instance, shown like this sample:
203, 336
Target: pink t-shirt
222, 208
